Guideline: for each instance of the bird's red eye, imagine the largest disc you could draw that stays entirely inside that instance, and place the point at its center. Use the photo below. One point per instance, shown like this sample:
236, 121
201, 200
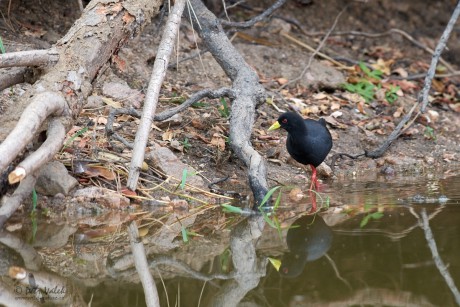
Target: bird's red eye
284, 121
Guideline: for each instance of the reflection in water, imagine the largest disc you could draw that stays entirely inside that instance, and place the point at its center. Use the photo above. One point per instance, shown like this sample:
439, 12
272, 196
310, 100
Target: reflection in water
385, 261
308, 239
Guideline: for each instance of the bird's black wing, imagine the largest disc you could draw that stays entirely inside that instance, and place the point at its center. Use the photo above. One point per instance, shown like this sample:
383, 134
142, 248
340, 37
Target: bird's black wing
322, 121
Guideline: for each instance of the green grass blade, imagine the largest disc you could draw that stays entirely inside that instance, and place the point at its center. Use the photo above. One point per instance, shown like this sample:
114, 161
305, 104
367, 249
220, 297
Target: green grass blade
268, 195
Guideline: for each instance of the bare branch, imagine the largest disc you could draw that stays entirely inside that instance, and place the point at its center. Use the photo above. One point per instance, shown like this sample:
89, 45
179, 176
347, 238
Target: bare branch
9, 204
212, 94
10, 77
422, 99
158, 73
54, 141
29, 58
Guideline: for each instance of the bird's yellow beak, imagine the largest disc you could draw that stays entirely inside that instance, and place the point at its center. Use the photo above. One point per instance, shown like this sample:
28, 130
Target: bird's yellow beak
276, 125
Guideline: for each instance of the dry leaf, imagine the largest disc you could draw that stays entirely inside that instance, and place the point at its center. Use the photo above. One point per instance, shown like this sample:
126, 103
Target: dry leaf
219, 141
398, 112
112, 103
99, 171
282, 81
167, 136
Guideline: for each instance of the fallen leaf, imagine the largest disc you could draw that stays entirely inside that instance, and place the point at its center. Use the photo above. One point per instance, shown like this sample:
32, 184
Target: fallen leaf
99, 171
167, 136
219, 141
282, 81
112, 103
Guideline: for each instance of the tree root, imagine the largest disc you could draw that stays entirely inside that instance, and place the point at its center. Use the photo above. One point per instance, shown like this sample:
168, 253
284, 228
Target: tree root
248, 93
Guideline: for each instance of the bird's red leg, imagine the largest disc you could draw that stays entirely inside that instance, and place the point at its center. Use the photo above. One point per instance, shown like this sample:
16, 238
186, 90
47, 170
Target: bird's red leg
314, 180
313, 201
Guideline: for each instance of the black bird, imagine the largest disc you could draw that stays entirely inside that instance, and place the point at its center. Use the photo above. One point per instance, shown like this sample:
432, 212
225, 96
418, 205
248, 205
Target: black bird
308, 140
308, 239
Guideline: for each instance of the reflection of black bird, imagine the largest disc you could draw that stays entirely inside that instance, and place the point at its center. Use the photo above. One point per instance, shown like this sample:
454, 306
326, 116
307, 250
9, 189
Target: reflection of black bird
308, 141
308, 239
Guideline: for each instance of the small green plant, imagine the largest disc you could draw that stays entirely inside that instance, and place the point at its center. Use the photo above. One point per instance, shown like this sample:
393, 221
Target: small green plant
374, 74
429, 133
76, 134
2, 47
366, 88
185, 175
272, 220
363, 88
231, 209
391, 95
186, 144
199, 104
224, 111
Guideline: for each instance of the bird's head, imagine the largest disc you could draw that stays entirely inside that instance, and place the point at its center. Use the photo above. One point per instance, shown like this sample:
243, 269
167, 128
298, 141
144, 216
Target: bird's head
288, 121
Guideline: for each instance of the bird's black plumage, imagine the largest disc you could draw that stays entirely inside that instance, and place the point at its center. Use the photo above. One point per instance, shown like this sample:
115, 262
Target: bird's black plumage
308, 141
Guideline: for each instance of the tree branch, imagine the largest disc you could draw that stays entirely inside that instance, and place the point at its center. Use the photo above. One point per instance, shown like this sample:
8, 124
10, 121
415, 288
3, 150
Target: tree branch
158, 73
248, 92
423, 95
29, 58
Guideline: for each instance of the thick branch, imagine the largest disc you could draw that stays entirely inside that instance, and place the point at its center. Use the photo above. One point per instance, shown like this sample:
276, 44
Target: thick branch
10, 77
29, 58
42, 106
54, 141
248, 92
9, 204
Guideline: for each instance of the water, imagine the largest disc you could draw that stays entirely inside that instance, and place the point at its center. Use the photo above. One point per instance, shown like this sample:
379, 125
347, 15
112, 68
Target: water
369, 248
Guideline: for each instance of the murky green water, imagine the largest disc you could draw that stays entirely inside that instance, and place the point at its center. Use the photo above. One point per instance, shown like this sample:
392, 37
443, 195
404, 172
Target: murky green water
382, 242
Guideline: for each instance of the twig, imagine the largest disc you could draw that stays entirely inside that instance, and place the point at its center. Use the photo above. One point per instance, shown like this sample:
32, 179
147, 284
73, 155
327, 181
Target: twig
321, 44
142, 266
422, 98
253, 21
153, 91
212, 94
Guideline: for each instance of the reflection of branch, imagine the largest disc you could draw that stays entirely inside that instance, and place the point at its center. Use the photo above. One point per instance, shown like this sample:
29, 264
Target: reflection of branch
32, 259
142, 267
337, 273
437, 258
186, 268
